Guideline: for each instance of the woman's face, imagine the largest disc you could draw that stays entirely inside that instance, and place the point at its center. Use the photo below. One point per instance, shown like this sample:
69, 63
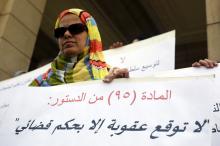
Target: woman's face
70, 44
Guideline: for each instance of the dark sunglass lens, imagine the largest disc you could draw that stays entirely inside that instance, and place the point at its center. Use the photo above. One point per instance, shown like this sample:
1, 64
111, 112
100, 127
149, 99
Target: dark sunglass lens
59, 32
76, 28
73, 29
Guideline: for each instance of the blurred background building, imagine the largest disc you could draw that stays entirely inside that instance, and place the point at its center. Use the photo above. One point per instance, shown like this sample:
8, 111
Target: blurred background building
26, 28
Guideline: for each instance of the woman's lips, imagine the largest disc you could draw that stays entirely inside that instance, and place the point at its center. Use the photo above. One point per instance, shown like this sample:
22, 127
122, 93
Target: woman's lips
69, 44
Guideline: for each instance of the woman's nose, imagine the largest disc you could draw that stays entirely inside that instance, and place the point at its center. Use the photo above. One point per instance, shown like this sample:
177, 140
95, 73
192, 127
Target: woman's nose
67, 34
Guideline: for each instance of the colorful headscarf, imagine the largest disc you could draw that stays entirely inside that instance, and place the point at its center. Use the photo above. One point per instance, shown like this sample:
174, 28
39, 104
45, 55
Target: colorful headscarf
89, 65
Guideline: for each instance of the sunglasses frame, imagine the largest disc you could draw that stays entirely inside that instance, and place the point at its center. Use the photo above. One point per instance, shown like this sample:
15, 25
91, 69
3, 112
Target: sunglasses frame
74, 29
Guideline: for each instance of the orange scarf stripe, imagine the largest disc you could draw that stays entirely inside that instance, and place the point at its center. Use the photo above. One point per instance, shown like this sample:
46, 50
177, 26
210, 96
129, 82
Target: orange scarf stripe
95, 46
84, 15
98, 63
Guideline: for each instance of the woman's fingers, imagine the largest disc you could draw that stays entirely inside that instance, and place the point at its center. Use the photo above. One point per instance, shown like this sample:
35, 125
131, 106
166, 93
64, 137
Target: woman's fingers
206, 63
116, 45
116, 73
196, 64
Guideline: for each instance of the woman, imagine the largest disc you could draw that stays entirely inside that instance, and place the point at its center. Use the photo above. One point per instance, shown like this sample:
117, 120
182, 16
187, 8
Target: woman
80, 57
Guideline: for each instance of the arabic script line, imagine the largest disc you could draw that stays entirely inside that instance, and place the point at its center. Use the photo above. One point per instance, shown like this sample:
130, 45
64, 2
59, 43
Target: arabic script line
114, 96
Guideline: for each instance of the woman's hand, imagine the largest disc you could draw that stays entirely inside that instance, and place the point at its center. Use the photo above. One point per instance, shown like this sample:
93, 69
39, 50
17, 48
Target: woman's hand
206, 63
116, 73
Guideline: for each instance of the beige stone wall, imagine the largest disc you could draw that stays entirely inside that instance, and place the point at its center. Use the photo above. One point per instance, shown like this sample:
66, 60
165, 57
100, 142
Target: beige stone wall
213, 28
19, 24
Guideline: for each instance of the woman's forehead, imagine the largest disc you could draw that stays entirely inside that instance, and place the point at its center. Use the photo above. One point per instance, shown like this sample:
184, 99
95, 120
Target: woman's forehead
68, 19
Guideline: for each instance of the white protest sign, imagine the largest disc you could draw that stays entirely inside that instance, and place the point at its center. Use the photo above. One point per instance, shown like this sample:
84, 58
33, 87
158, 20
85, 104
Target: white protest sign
190, 71
141, 58
216, 113
145, 57
215, 109
129, 112
22, 80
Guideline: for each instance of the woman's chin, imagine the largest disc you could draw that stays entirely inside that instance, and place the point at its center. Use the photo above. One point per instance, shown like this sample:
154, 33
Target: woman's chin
70, 52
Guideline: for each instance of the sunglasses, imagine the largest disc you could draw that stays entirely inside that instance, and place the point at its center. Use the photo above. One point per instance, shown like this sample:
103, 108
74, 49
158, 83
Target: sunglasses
73, 29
